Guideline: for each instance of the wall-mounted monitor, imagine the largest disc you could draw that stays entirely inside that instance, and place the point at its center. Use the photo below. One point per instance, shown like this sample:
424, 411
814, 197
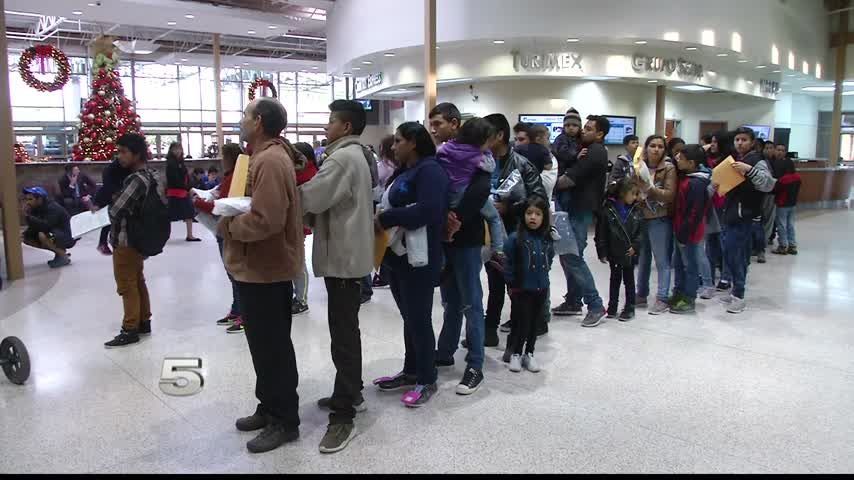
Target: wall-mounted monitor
553, 122
368, 104
620, 127
762, 131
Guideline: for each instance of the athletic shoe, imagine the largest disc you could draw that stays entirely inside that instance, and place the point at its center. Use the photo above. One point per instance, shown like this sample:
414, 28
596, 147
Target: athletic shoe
390, 384
659, 308
144, 328
641, 302
359, 404
272, 437
530, 363
565, 309
472, 380
725, 300
227, 321
723, 286
627, 315
676, 298
611, 313
516, 363
378, 282
105, 250
59, 262
419, 396
593, 318
781, 250
707, 293
505, 327
123, 339
761, 257
237, 327
298, 307
737, 305
256, 421
337, 437
684, 307
793, 250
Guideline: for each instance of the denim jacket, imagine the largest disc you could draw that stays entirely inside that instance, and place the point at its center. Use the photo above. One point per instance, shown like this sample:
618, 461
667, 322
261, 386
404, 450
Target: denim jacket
528, 261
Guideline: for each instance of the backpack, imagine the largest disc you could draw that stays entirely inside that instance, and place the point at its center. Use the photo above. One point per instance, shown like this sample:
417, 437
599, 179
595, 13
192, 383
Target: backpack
149, 228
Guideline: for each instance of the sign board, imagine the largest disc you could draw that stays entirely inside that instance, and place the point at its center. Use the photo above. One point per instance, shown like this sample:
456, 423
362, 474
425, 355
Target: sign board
547, 62
370, 81
650, 64
769, 87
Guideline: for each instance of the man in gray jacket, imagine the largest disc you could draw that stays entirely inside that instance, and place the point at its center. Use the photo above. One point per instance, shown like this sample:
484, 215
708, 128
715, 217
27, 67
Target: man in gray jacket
338, 204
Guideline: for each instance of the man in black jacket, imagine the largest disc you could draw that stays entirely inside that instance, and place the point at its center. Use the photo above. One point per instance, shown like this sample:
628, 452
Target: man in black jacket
48, 226
112, 179
586, 182
507, 161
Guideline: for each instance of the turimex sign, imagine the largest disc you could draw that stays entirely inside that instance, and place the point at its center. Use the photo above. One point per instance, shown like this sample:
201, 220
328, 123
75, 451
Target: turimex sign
544, 62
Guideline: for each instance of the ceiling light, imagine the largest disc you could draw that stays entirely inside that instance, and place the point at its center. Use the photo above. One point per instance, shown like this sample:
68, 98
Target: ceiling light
315, 67
791, 75
693, 88
272, 27
750, 82
190, 16
846, 94
760, 66
498, 42
251, 32
92, 4
707, 37
723, 54
357, 68
245, 63
671, 36
389, 54
183, 59
848, 83
573, 40
455, 80
742, 61
367, 62
348, 74
690, 49
171, 24
776, 71
77, 12
599, 78
818, 89
652, 81
712, 72
640, 42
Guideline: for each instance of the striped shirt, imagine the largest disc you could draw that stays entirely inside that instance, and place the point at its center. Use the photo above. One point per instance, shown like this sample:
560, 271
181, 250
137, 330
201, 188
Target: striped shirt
129, 203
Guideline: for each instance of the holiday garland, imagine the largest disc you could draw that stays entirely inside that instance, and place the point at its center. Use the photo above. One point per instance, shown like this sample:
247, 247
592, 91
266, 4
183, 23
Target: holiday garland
44, 52
261, 82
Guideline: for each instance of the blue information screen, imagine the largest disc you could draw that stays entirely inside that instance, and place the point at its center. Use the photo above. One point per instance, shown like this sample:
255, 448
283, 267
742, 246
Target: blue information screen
620, 126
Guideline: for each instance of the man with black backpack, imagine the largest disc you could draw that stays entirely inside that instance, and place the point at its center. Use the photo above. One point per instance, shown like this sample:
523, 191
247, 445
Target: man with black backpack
140, 229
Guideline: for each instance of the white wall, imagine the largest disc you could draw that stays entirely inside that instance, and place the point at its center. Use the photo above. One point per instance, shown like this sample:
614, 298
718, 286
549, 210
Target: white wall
800, 113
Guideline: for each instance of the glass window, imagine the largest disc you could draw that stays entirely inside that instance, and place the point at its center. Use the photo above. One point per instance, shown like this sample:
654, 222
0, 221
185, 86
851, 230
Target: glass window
155, 70
156, 93
249, 76
25, 96
188, 85
230, 75
158, 116
232, 97
37, 114
288, 94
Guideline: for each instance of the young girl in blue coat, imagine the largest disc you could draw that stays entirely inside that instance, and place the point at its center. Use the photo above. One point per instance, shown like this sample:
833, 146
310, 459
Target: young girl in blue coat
529, 253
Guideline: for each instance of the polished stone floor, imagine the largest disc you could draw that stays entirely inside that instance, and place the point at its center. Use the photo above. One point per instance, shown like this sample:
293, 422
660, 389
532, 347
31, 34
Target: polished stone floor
771, 390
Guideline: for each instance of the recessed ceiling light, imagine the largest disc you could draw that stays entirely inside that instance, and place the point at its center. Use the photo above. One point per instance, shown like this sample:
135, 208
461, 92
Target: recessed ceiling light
367, 62
245, 63
437, 47
183, 59
690, 49
251, 32
573, 40
640, 42
272, 27
498, 42
776, 71
652, 81
315, 67
693, 88
742, 61
389, 54
711, 72
171, 24
190, 16
760, 66
818, 89
348, 74
357, 68
723, 54
77, 12
750, 82
92, 4
791, 75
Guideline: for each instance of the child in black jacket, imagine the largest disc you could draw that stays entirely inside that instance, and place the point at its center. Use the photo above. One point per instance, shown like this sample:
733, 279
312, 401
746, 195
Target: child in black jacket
618, 238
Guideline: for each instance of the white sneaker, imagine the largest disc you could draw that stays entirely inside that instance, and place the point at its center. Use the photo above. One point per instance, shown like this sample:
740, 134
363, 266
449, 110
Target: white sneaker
516, 363
530, 363
726, 299
707, 293
737, 305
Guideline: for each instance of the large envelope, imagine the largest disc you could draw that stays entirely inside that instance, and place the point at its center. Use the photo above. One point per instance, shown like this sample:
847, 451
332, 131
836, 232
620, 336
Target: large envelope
241, 175
726, 177
380, 246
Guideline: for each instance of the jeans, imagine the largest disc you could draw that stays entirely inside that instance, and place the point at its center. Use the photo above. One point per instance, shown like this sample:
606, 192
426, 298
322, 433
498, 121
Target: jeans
737, 254
570, 296
786, 227
267, 324
758, 240
130, 282
621, 275
346, 338
366, 288
525, 312
235, 297
582, 278
413, 289
301, 285
769, 215
686, 269
462, 294
658, 243
497, 234
703, 265
495, 301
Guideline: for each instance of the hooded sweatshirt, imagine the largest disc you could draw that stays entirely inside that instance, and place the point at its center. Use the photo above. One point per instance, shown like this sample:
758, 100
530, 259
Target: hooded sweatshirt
692, 204
460, 162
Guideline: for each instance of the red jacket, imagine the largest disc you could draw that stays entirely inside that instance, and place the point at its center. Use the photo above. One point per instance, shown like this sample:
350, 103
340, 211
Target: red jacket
787, 189
692, 204
305, 174
224, 187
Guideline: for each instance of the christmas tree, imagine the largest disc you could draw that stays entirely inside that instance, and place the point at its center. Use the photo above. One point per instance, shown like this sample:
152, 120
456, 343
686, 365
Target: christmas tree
108, 114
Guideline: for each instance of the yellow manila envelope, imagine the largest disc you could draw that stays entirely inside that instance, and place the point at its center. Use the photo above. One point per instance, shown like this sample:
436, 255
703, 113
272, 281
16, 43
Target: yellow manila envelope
726, 177
380, 245
241, 175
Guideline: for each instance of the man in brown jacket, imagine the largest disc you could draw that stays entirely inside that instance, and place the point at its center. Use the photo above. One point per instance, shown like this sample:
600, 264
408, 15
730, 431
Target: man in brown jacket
263, 251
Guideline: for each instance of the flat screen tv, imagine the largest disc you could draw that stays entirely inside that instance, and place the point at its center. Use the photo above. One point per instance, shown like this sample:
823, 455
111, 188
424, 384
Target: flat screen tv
368, 104
762, 131
553, 122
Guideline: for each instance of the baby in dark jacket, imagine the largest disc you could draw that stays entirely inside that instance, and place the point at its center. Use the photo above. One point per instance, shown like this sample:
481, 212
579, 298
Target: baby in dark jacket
618, 240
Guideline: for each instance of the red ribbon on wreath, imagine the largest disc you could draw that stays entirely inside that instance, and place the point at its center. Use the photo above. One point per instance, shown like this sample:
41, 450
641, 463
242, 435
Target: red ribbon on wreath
43, 53
264, 83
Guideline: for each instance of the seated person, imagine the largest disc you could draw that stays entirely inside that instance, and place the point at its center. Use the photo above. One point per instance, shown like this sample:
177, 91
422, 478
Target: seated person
76, 189
48, 226
199, 179
213, 179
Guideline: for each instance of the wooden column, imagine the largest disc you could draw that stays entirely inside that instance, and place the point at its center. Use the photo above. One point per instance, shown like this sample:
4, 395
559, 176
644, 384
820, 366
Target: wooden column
220, 138
430, 89
660, 93
836, 126
8, 182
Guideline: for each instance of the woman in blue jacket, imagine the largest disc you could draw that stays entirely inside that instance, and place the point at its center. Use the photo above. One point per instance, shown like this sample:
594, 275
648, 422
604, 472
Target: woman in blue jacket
418, 193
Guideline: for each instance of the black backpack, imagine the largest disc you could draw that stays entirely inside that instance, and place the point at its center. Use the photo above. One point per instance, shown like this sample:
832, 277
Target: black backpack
149, 227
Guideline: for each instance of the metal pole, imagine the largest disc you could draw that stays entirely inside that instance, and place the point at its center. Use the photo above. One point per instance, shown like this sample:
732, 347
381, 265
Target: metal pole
220, 138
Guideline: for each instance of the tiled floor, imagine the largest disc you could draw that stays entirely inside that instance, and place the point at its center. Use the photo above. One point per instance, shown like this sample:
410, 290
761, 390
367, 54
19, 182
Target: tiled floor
767, 391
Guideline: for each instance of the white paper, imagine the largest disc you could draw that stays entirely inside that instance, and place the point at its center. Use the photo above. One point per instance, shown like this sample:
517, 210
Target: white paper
85, 222
232, 206
208, 221
207, 195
